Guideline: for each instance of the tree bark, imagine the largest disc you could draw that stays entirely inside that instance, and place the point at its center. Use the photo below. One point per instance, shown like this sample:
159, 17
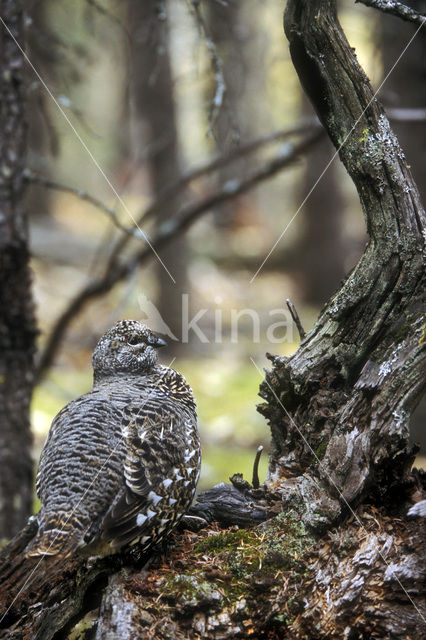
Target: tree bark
406, 86
17, 324
341, 559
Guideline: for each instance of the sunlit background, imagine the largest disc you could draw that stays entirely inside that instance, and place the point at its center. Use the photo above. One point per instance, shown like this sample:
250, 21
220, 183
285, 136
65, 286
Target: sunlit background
138, 82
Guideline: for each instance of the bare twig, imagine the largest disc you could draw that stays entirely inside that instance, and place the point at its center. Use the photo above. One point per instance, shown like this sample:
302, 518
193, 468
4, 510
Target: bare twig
170, 229
34, 178
304, 126
396, 9
406, 115
296, 319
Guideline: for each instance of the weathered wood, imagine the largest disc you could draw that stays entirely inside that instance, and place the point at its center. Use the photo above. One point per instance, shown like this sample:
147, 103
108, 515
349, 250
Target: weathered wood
339, 407
235, 504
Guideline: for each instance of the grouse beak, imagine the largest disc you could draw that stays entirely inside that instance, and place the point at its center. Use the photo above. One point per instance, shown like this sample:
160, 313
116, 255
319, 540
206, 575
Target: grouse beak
160, 343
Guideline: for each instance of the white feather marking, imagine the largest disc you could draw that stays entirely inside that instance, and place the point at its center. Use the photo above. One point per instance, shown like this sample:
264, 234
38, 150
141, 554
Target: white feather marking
140, 519
150, 514
167, 482
154, 498
172, 501
177, 474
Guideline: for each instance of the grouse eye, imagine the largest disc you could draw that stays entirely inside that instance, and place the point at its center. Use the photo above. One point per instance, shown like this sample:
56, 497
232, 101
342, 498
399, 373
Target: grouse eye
134, 340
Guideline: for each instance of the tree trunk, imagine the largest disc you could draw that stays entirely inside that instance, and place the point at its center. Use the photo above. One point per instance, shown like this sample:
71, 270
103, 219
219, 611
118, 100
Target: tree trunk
155, 111
230, 35
341, 559
17, 324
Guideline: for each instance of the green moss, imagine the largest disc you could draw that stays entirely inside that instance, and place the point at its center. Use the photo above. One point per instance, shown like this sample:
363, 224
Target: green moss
83, 628
288, 536
252, 556
244, 568
193, 590
321, 449
227, 541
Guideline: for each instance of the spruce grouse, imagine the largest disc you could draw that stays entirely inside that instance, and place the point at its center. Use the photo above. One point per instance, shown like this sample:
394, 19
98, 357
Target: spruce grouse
121, 463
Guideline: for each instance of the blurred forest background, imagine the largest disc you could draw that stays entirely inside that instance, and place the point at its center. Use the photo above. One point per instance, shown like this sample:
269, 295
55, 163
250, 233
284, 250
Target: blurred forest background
196, 117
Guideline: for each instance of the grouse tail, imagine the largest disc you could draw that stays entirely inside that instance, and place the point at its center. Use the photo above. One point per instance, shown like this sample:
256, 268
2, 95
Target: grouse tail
59, 534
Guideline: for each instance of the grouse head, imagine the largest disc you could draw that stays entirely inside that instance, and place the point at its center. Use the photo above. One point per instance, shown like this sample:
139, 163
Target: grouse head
129, 347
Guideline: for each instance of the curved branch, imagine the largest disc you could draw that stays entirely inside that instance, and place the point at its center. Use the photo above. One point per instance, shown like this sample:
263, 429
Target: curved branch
398, 9
39, 180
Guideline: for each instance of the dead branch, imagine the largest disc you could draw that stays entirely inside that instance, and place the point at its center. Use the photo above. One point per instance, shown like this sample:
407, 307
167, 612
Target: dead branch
34, 178
170, 191
296, 318
304, 126
394, 8
406, 115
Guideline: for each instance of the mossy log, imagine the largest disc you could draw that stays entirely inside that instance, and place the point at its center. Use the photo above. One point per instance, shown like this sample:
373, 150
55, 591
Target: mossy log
341, 559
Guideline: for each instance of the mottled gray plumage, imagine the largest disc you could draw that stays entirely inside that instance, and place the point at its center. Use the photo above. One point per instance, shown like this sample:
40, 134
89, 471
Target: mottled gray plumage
121, 463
